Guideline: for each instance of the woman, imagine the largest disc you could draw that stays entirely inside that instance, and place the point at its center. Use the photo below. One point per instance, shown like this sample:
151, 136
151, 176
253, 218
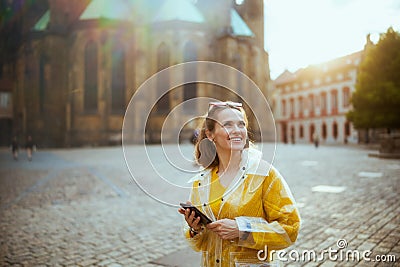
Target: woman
246, 198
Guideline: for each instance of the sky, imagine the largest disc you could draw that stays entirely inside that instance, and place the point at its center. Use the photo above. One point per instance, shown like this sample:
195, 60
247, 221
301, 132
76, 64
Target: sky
299, 33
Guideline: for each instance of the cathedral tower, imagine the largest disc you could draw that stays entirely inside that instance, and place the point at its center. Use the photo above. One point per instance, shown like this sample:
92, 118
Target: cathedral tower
252, 11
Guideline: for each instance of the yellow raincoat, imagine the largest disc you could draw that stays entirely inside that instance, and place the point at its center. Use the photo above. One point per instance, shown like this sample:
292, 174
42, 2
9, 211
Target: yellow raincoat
262, 205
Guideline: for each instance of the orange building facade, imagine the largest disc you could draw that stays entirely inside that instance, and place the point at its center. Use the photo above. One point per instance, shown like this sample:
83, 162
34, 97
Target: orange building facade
312, 102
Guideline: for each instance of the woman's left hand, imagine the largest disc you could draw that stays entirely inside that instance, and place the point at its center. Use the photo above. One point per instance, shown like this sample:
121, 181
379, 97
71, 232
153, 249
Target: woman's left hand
225, 228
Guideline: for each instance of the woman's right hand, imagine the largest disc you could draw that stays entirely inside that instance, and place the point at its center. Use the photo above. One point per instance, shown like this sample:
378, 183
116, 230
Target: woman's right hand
193, 222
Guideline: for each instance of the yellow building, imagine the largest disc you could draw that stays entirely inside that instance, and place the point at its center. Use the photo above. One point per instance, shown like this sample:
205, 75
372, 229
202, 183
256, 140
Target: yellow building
83, 60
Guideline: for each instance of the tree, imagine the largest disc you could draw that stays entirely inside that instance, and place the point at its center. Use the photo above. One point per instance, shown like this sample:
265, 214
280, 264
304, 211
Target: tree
376, 100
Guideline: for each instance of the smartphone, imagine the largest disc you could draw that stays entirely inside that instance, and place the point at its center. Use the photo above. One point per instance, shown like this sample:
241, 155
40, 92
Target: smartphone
203, 218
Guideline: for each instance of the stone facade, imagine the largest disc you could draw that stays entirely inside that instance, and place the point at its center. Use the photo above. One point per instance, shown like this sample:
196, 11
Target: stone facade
84, 60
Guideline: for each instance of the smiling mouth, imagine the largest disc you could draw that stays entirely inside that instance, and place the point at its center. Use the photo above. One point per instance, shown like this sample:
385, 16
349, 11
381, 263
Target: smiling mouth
235, 139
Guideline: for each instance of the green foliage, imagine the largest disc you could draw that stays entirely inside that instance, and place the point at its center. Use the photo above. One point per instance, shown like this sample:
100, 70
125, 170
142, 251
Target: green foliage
376, 100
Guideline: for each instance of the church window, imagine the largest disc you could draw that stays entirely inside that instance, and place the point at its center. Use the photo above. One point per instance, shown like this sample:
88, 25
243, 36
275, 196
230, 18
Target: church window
163, 58
42, 83
118, 83
91, 82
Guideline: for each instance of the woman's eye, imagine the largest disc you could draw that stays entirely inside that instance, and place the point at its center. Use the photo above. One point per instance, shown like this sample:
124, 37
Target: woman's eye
231, 124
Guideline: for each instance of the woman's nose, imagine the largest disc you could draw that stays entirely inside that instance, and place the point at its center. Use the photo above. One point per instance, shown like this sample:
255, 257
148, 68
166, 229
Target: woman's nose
235, 128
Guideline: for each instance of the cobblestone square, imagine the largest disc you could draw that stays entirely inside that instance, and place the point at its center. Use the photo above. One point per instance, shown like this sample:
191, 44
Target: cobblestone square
80, 207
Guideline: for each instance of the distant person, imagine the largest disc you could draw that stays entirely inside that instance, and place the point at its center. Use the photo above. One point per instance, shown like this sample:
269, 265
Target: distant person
29, 147
316, 140
14, 148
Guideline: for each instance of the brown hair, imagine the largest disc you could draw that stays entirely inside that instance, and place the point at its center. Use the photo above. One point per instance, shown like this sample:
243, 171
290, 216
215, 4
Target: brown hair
205, 150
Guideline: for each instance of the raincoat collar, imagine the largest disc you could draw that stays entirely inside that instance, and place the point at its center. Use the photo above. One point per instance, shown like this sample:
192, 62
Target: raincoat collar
251, 163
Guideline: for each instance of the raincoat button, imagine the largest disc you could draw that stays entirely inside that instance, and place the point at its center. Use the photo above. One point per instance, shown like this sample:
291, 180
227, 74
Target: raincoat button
243, 168
222, 199
243, 177
204, 204
202, 174
199, 184
217, 260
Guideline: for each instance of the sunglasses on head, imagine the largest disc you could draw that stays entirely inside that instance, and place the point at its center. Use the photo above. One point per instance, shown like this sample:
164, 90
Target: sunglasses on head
224, 104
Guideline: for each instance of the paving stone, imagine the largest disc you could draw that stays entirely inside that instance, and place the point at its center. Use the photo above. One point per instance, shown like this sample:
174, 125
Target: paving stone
88, 262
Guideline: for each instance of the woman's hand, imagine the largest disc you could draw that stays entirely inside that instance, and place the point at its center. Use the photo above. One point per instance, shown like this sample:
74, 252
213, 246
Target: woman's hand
225, 228
190, 218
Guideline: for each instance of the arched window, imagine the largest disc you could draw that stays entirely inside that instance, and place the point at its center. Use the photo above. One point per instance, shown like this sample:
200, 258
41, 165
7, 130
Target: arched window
301, 106
301, 131
163, 57
91, 83
324, 132
42, 83
118, 80
312, 131
335, 130
190, 74
292, 134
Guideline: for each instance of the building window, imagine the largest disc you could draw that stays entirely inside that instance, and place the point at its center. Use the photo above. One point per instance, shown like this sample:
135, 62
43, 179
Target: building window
91, 83
301, 106
291, 107
328, 79
323, 103
334, 101
118, 80
163, 104
335, 130
305, 84
5, 100
283, 107
346, 97
324, 131
301, 131
292, 135
317, 101
311, 104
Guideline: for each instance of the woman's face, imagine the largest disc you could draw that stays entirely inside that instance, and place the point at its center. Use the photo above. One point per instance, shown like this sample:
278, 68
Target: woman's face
230, 132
